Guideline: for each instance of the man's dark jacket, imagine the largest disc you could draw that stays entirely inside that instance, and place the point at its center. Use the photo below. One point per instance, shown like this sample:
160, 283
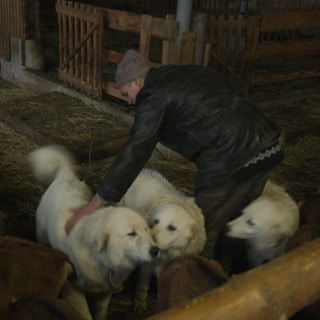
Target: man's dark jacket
199, 113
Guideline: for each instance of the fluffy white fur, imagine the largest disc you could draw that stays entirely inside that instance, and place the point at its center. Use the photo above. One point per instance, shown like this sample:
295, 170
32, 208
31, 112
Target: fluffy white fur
266, 223
104, 247
176, 221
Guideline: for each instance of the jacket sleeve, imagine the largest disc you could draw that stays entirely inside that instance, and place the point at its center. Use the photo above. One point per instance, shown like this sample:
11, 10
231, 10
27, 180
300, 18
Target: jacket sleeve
149, 118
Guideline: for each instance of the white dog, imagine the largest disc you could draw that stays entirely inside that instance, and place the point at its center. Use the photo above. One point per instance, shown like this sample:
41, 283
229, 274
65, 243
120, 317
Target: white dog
176, 221
266, 223
104, 247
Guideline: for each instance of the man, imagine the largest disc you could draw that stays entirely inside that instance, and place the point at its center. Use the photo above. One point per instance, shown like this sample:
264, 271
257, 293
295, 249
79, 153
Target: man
201, 114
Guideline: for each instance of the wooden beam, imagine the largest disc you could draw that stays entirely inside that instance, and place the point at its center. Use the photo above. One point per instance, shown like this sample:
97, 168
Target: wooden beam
273, 291
293, 48
88, 153
274, 21
24, 129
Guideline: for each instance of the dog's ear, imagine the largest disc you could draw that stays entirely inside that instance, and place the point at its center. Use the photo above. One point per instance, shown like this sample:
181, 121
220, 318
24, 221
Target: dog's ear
103, 242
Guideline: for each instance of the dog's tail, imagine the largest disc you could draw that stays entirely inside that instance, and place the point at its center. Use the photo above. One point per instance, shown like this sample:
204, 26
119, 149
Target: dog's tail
47, 162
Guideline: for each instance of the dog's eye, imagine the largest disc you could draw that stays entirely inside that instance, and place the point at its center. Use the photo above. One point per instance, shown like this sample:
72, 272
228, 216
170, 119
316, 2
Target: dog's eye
171, 228
250, 222
155, 221
132, 234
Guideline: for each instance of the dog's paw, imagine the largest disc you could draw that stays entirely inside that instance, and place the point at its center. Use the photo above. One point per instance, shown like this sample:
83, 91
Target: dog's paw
140, 302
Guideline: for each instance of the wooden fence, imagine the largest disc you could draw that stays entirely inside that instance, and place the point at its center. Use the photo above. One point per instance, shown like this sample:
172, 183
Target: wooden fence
93, 39
216, 7
88, 51
295, 50
265, 48
12, 24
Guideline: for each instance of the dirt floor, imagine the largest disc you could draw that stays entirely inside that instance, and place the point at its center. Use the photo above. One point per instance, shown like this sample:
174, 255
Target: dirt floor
294, 106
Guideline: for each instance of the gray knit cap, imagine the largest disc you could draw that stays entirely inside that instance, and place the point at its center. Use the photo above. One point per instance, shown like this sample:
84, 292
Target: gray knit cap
132, 66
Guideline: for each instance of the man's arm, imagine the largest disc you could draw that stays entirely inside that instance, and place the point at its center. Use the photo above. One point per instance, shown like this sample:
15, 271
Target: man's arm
84, 210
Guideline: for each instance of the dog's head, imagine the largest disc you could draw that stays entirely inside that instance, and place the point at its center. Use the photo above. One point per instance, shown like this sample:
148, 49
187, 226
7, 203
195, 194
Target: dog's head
126, 239
173, 228
264, 220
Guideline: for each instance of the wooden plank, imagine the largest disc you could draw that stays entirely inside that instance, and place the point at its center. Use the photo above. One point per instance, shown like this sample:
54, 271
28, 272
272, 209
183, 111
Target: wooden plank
186, 46
99, 54
110, 88
207, 55
112, 56
89, 47
289, 20
169, 49
145, 35
273, 291
273, 76
123, 21
165, 29
77, 40
293, 48
199, 26
239, 41
247, 65
76, 12
83, 49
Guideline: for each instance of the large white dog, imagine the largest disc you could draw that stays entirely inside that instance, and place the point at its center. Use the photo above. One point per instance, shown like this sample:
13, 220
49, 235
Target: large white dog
266, 223
104, 247
176, 221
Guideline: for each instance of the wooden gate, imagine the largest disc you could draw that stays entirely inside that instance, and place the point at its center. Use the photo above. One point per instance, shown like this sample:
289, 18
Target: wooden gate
89, 44
80, 46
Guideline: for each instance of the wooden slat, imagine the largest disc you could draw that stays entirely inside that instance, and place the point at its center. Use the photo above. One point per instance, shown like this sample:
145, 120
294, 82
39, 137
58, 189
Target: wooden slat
75, 12
165, 29
169, 49
294, 48
289, 20
123, 21
110, 88
145, 35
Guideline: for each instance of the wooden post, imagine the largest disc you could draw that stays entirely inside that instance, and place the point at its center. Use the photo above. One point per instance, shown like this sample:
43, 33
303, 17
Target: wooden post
145, 35
199, 26
169, 49
273, 291
185, 45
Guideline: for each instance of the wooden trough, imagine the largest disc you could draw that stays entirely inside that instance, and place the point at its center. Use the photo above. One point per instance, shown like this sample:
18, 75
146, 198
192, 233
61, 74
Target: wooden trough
274, 291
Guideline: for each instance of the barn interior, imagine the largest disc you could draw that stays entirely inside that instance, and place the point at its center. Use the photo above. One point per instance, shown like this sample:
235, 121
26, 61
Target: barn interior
38, 106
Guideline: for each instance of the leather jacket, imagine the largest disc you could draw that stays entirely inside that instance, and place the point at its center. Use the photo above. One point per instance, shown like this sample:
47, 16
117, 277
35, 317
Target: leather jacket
197, 112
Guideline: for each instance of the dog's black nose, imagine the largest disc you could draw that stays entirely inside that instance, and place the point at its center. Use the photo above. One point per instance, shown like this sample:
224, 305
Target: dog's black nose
154, 252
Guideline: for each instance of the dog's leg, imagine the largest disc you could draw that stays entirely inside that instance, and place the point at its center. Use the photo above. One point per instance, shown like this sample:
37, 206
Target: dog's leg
101, 307
77, 299
145, 274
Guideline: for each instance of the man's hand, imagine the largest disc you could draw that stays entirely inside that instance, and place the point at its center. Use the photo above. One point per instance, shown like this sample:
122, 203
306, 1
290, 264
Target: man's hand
82, 211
